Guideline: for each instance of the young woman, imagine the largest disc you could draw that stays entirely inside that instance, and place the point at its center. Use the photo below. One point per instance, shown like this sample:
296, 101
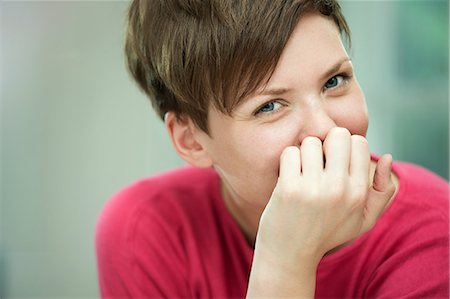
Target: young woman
284, 199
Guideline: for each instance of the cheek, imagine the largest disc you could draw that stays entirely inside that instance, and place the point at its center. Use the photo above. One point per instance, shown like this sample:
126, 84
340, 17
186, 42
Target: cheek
255, 160
356, 123
353, 115
250, 166
250, 153
265, 147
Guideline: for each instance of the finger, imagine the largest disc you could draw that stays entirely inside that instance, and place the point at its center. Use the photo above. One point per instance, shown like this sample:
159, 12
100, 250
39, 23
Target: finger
312, 156
380, 193
337, 148
382, 177
290, 162
360, 159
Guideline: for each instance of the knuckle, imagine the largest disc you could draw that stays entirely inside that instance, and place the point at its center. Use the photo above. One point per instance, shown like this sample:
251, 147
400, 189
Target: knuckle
360, 192
359, 139
311, 141
341, 131
308, 191
288, 191
290, 151
336, 191
360, 187
313, 193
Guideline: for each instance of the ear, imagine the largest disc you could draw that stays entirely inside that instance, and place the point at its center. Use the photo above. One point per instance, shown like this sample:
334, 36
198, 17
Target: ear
184, 136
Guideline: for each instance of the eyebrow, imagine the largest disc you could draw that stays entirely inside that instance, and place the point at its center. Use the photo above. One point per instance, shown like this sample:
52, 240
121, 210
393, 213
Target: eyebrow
335, 68
328, 73
274, 91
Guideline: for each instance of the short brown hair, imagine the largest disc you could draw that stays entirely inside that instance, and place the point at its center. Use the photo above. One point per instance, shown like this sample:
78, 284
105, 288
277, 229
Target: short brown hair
188, 54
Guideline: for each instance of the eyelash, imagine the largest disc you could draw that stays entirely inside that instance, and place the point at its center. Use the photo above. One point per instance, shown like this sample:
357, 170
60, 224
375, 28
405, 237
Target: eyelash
259, 111
345, 79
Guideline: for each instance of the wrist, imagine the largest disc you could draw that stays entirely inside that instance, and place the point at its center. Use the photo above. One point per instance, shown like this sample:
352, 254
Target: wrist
276, 275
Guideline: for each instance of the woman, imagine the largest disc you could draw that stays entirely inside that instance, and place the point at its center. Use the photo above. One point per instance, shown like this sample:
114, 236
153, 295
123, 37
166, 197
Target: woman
284, 199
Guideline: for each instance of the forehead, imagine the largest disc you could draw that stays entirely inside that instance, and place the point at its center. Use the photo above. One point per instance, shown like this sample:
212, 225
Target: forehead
313, 47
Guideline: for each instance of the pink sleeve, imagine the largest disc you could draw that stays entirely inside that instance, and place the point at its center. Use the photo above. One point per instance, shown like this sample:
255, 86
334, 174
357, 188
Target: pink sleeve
136, 254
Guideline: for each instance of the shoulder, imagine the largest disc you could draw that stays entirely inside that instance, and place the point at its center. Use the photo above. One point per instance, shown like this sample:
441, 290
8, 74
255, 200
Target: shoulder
420, 209
165, 190
418, 176
164, 200
141, 233
411, 238
176, 182
422, 187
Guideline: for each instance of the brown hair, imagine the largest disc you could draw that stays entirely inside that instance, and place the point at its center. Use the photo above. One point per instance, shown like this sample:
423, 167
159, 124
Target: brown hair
188, 54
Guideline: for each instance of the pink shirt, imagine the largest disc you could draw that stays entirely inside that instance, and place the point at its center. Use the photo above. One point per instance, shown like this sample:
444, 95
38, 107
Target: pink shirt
171, 236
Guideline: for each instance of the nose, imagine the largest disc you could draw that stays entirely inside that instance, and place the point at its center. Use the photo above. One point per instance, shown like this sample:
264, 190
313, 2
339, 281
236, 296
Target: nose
317, 124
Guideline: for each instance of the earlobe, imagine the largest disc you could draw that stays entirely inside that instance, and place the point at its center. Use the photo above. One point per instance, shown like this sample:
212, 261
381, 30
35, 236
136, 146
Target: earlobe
184, 136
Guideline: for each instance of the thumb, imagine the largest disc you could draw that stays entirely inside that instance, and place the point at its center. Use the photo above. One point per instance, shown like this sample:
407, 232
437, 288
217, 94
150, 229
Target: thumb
380, 192
382, 177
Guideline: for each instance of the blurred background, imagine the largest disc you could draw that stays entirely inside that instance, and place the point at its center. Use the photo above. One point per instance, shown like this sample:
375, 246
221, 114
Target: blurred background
75, 128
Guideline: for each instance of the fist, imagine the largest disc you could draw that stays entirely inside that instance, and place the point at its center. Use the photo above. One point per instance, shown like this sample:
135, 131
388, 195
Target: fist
324, 196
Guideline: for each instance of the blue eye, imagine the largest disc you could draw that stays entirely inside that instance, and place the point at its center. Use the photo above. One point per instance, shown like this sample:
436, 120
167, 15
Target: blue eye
333, 81
338, 81
267, 107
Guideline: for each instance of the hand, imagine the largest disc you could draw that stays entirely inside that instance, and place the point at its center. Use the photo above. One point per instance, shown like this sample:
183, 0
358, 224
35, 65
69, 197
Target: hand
315, 207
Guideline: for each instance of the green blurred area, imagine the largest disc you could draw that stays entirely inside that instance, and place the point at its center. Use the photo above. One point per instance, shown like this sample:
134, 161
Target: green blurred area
422, 37
75, 129
400, 52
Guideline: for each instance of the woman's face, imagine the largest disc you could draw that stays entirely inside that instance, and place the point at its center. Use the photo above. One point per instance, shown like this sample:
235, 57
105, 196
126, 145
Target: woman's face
312, 90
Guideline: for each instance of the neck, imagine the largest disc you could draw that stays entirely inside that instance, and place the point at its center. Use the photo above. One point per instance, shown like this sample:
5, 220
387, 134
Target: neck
244, 213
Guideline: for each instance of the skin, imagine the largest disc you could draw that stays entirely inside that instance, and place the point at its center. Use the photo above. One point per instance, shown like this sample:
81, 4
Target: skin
270, 156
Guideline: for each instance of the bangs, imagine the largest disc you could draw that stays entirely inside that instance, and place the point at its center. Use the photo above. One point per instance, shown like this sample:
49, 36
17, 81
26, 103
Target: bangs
190, 55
